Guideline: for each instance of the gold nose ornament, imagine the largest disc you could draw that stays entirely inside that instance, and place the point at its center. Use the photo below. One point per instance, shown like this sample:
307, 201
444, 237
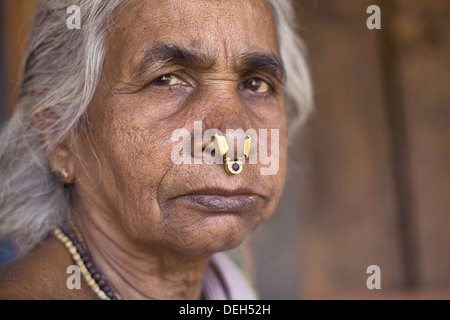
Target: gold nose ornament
232, 166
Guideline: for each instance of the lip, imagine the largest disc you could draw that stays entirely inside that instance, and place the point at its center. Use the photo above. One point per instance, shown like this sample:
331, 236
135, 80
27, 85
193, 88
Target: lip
221, 200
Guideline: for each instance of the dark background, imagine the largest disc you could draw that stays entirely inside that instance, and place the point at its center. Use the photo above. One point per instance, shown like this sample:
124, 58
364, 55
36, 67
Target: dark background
369, 175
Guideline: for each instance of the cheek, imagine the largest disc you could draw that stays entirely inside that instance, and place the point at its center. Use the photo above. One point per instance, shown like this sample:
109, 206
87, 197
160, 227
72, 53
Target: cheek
136, 142
269, 110
134, 155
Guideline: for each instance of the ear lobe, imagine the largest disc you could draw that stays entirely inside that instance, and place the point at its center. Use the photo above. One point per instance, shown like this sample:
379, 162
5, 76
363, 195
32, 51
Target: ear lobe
62, 163
58, 153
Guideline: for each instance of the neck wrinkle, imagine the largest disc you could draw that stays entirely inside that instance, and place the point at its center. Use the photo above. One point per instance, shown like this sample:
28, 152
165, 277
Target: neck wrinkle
158, 274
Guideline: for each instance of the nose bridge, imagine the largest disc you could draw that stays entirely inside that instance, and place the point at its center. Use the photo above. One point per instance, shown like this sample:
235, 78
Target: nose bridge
225, 111
231, 116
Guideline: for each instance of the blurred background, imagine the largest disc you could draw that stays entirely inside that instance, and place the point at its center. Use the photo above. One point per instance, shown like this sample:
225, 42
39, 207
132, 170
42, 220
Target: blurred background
369, 174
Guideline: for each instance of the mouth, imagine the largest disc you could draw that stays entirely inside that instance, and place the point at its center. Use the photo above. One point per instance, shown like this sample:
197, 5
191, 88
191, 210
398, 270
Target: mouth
221, 200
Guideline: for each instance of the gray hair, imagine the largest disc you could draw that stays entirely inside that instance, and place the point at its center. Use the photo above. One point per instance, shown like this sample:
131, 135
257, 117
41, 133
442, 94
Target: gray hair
61, 71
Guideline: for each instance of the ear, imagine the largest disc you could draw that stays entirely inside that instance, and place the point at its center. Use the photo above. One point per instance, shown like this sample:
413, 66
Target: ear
59, 153
62, 162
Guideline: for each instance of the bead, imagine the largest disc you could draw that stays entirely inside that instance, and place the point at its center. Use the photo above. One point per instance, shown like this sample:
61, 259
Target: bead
102, 296
83, 269
97, 276
235, 167
110, 293
76, 257
101, 282
73, 241
92, 270
72, 250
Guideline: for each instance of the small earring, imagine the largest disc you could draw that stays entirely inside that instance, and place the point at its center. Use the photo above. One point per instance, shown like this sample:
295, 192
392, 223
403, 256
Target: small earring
63, 174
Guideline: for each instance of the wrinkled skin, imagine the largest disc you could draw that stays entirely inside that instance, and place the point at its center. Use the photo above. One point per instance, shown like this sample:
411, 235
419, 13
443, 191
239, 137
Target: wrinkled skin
128, 194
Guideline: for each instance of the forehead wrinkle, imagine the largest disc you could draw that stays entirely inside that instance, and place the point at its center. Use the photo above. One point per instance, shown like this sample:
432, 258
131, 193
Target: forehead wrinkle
170, 53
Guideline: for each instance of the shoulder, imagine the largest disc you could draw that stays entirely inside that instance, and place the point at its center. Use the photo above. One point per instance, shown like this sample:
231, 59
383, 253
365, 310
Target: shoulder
39, 275
16, 284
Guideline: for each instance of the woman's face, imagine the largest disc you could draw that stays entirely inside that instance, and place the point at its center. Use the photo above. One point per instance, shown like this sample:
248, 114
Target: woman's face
168, 64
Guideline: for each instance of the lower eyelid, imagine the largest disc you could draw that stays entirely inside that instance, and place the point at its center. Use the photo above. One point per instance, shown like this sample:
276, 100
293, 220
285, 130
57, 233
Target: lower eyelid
255, 95
181, 89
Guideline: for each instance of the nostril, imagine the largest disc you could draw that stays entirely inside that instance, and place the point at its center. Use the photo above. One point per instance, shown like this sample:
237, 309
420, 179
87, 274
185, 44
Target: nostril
210, 150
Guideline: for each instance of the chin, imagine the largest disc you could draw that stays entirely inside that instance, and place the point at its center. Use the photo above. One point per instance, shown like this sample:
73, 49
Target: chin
214, 233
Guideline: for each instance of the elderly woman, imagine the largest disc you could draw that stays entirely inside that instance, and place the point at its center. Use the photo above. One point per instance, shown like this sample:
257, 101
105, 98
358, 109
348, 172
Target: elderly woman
88, 176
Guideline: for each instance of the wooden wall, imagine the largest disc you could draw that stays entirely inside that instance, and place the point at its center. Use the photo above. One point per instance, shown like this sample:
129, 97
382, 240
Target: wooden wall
378, 184
17, 16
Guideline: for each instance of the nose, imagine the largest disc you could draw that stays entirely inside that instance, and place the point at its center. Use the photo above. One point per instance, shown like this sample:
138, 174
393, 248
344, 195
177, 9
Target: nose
229, 117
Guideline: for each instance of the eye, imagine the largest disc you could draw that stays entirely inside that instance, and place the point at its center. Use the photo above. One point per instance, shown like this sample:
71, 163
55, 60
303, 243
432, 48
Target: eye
257, 85
166, 80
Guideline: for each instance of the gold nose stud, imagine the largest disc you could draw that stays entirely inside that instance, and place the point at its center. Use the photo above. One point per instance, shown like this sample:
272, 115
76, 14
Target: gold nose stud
232, 166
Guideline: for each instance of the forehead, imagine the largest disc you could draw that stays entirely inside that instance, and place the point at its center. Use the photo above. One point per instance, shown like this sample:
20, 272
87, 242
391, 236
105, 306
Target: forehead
219, 27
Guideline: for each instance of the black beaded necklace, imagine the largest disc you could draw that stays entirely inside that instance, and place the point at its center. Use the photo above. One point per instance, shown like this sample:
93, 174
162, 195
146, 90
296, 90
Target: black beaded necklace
71, 237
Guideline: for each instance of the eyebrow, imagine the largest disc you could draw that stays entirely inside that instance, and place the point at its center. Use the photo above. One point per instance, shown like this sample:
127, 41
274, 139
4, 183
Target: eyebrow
162, 54
268, 63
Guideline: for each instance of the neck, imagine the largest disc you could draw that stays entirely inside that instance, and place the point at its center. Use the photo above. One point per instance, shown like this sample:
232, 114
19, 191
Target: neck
140, 271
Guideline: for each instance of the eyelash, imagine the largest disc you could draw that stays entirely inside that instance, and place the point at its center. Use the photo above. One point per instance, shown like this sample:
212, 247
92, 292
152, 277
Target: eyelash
153, 82
271, 88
